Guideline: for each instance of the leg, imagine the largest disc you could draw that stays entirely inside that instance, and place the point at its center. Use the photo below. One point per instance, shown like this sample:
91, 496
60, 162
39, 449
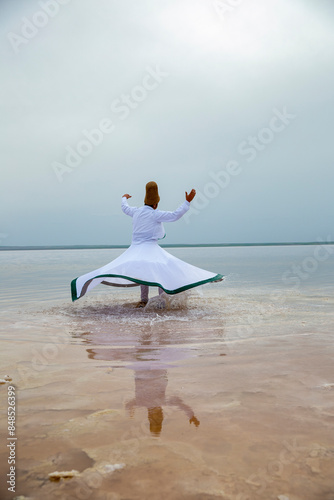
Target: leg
143, 296
144, 293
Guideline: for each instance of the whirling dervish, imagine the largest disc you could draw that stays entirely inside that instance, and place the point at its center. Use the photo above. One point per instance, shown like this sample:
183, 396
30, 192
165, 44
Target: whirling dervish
145, 263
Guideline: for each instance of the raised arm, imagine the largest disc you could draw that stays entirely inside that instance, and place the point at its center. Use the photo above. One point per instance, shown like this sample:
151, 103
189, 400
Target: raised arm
125, 206
162, 216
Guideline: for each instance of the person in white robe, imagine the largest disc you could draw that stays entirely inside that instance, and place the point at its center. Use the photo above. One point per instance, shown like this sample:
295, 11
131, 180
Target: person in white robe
145, 263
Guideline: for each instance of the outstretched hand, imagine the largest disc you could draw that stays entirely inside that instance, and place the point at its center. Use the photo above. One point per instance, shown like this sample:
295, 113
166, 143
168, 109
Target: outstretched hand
191, 195
127, 196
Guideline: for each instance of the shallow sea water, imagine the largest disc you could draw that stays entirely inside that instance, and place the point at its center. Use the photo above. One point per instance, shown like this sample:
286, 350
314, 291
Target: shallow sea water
227, 392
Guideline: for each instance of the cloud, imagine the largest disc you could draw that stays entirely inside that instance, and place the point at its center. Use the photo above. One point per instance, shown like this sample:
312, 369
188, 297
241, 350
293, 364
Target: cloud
225, 78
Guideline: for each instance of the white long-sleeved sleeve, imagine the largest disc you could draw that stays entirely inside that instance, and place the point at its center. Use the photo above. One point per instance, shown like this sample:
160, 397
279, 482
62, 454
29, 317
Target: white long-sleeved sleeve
161, 216
126, 208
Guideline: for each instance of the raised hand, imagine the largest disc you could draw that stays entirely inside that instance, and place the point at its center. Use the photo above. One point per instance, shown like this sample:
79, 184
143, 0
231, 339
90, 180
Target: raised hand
127, 196
191, 195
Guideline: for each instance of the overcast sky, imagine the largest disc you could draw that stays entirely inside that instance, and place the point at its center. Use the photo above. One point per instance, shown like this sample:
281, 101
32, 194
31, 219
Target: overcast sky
234, 99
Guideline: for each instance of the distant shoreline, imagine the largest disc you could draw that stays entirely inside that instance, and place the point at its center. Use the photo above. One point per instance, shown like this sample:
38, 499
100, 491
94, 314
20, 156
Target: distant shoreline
202, 245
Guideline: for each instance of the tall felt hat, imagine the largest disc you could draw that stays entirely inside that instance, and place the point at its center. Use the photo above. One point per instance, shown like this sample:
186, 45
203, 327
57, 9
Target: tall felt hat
152, 196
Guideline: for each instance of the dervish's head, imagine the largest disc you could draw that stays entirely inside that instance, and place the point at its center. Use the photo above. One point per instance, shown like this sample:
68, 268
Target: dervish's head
152, 197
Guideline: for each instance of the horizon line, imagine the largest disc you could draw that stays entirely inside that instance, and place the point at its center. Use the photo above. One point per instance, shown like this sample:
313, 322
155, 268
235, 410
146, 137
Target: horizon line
170, 245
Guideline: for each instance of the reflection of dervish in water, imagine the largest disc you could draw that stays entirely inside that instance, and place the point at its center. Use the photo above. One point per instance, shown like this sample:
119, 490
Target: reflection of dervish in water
148, 361
150, 390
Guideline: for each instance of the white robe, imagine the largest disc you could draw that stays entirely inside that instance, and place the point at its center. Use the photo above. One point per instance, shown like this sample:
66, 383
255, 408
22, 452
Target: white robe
145, 262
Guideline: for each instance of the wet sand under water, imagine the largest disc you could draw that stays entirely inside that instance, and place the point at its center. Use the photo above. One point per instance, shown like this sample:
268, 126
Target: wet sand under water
213, 397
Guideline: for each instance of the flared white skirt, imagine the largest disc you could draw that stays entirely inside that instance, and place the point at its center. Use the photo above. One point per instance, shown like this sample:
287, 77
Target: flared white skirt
145, 264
